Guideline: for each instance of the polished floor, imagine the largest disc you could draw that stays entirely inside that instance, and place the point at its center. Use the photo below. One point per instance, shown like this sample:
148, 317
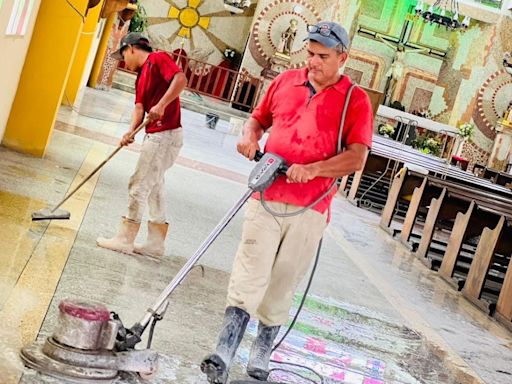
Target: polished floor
375, 314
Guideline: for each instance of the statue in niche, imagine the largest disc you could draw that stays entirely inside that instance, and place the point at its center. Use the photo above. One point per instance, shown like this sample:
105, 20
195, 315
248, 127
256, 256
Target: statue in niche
287, 38
396, 71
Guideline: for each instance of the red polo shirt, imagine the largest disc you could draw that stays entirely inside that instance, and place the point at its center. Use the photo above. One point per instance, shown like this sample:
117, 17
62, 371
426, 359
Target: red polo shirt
305, 130
152, 82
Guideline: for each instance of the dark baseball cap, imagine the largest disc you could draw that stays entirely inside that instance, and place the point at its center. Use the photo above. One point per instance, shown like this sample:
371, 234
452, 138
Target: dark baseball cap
131, 38
329, 34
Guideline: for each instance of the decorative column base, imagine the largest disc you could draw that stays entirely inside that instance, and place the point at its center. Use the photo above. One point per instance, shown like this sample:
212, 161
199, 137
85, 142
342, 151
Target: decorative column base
502, 147
278, 63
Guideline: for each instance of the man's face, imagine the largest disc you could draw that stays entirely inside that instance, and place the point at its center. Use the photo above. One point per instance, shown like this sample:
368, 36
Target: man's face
323, 63
129, 58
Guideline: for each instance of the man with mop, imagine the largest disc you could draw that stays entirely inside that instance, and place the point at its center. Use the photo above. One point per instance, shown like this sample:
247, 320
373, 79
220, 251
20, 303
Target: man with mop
158, 86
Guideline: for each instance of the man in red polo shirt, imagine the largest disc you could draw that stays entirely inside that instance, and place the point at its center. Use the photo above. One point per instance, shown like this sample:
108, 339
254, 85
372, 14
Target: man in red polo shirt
304, 107
157, 89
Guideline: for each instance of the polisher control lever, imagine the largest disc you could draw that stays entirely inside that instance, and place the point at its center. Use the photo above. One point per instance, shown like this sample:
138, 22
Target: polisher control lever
268, 168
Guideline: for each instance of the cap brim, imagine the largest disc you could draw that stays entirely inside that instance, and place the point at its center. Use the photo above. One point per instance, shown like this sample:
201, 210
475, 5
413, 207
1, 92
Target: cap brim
324, 40
117, 55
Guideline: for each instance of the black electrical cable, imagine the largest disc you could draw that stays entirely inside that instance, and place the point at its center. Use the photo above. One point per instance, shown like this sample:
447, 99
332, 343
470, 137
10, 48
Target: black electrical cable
298, 374
304, 297
292, 324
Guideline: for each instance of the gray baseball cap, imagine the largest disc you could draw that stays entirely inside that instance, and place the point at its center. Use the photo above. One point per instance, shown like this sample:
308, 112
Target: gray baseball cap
329, 34
130, 39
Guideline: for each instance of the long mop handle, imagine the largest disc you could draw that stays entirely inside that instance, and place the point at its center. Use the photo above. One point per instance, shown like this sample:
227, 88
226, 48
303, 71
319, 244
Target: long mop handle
132, 135
183, 272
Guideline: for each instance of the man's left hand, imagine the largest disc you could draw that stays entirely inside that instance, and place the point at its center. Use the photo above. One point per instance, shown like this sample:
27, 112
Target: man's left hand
156, 112
301, 173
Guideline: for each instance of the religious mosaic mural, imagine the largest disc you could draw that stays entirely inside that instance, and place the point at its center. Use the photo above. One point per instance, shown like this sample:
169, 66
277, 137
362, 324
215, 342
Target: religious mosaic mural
203, 30
457, 76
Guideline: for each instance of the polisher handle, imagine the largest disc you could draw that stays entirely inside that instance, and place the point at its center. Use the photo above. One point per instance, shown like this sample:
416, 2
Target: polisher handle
257, 157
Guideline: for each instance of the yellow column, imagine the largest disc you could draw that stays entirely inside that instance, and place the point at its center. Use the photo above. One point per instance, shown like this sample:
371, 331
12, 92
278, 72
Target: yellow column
82, 53
102, 49
45, 73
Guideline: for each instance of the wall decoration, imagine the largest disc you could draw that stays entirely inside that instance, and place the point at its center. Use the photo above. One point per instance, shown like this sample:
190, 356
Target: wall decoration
492, 100
20, 17
189, 17
273, 20
196, 26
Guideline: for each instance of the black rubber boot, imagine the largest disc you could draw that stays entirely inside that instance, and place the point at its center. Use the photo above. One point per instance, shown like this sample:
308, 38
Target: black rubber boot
216, 366
259, 359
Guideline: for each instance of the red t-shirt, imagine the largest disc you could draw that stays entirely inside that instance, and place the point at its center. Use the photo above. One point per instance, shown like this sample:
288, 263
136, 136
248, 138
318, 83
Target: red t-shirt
152, 82
305, 130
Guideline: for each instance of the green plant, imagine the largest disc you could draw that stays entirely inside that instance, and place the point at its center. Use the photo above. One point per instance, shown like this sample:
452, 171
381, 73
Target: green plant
139, 22
427, 144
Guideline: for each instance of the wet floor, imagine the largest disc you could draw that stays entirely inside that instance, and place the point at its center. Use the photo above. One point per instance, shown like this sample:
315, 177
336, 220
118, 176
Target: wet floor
375, 314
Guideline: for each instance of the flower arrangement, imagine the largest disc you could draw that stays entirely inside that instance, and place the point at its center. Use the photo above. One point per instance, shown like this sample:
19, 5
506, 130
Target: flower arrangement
229, 53
386, 130
466, 130
427, 144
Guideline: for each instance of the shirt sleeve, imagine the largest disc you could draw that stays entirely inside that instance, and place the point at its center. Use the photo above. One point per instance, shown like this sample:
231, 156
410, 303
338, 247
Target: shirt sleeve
359, 121
139, 94
167, 67
263, 112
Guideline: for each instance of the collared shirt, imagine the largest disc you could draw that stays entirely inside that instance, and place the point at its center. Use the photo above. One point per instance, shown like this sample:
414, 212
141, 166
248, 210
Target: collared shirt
153, 81
305, 128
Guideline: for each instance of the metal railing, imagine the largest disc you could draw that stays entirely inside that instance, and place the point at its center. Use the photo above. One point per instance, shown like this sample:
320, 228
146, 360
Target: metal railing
240, 89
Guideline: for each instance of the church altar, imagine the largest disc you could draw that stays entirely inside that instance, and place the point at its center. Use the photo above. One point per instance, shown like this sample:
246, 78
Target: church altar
420, 122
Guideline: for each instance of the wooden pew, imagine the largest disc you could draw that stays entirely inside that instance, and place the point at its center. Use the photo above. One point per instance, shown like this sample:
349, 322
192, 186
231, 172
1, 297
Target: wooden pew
504, 306
467, 225
503, 179
403, 188
493, 241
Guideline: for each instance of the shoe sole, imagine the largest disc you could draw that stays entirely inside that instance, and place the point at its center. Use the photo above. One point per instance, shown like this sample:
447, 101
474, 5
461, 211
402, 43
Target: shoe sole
214, 369
258, 374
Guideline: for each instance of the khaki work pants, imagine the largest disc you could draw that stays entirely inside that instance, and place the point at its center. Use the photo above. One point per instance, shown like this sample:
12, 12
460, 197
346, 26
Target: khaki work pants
147, 184
272, 258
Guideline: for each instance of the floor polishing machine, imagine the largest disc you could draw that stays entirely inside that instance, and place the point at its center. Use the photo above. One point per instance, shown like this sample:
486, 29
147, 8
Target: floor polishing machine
91, 344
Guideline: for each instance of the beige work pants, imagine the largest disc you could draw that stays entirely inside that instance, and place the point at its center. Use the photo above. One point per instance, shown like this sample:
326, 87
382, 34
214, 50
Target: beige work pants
147, 184
272, 258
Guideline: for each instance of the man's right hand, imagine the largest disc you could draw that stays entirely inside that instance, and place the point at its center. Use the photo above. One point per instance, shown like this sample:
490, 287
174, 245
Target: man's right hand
127, 139
248, 146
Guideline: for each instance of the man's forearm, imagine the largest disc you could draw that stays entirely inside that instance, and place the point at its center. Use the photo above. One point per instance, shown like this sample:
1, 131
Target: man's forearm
177, 85
137, 116
253, 128
341, 165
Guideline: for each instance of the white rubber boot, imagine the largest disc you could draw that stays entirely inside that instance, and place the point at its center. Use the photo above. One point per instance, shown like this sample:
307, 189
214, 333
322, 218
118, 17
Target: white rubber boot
123, 241
155, 243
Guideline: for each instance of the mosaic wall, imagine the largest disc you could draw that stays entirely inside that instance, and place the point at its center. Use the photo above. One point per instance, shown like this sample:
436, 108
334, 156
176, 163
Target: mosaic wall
203, 29
272, 17
468, 85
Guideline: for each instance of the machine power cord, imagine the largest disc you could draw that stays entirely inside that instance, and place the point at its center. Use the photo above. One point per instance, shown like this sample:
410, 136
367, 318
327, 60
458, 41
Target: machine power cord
302, 302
